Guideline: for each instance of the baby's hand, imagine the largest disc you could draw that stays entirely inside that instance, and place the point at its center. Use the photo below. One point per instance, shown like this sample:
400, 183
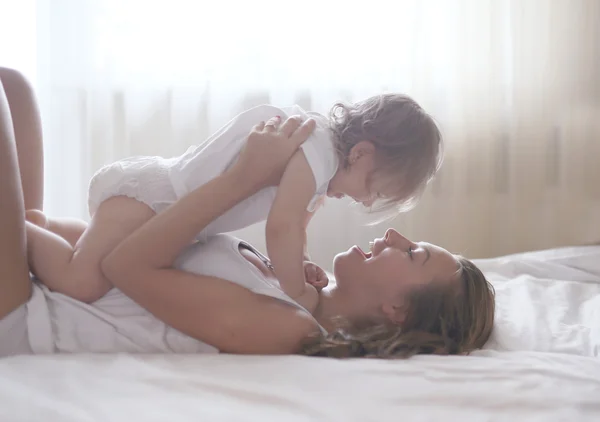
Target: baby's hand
315, 276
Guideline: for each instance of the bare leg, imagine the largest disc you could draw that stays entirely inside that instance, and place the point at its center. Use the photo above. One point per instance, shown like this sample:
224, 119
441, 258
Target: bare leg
28, 134
75, 271
69, 229
25, 149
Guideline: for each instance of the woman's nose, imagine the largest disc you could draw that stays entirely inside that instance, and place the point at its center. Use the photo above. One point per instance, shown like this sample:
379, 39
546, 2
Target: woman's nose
393, 235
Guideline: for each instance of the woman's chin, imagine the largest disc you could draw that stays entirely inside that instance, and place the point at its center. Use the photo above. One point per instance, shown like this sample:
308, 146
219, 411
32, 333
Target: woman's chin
332, 282
340, 262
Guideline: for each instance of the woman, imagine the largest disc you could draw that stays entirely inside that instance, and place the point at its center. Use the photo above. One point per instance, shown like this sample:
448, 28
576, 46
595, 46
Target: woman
400, 299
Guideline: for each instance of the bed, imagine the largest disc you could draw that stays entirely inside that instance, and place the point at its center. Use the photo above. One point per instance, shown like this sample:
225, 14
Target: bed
542, 363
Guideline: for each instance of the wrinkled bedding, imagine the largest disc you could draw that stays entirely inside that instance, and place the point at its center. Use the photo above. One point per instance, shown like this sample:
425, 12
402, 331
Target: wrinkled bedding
541, 364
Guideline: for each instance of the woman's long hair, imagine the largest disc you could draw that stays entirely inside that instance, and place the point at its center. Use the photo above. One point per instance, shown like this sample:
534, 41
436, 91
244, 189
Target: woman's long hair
442, 319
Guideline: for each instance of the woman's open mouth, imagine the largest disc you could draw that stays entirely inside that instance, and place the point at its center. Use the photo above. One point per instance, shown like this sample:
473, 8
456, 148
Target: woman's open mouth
366, 255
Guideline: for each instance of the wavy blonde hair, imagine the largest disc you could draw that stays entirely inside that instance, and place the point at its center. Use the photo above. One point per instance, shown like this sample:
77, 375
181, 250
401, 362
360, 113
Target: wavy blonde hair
408, 145
443, 319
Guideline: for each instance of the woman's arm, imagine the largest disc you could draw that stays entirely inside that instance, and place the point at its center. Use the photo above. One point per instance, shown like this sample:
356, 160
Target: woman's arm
141, 265
158, 242
218, 312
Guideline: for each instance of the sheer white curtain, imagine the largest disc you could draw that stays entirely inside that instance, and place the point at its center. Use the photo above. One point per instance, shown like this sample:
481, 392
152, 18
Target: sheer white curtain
514, 85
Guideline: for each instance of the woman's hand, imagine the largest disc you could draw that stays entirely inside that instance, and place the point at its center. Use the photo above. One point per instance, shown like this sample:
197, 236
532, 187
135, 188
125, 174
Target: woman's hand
268, 149
262, 162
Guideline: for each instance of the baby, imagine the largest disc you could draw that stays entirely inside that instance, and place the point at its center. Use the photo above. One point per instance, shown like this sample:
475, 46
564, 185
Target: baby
381, 152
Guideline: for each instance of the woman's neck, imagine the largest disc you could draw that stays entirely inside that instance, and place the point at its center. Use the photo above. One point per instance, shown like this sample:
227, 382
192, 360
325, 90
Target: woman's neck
333, 304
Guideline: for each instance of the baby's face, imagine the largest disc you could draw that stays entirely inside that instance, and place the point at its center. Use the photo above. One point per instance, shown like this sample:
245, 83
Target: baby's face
363, 187
355, 182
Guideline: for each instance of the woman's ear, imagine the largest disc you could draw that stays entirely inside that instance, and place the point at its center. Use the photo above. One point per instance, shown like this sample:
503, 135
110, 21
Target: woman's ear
395, 313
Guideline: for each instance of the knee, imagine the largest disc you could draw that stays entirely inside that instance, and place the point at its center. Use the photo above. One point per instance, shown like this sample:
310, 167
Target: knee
13, 79
12, 74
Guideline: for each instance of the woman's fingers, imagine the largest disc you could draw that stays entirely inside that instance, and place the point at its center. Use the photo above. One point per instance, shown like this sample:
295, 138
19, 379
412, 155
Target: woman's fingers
268, 149
290, 125
272, 124
303, 132
258, 127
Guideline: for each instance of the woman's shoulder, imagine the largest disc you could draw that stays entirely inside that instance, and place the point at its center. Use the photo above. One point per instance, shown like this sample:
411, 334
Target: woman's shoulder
273, 327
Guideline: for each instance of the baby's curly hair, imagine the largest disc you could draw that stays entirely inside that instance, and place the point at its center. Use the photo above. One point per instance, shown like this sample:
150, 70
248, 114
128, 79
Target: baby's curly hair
408, 144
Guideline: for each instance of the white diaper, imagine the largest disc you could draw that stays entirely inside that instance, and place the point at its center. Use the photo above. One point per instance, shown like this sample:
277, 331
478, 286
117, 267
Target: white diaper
145, 179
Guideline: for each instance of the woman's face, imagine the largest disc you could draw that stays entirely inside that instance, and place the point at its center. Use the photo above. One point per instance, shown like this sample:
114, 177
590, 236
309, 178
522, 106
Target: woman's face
381, 279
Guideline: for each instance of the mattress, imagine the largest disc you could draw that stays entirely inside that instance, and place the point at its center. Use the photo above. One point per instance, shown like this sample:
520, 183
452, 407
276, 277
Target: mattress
541, 364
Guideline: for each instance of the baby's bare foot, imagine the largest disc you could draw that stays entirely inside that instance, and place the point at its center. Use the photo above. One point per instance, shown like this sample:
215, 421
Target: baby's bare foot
37, 217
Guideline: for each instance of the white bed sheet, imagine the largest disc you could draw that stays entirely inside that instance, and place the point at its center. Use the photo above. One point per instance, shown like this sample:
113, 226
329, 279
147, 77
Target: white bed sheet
511, 386
548, 308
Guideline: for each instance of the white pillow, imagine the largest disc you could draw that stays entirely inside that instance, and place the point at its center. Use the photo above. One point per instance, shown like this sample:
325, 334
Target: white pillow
547, 301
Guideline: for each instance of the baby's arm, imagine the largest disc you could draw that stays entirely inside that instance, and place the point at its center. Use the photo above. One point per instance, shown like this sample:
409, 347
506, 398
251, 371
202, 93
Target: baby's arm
305, 253
309, 216
286, 227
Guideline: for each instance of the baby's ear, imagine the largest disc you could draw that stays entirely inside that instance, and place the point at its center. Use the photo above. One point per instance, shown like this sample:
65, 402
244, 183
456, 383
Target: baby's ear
361, 149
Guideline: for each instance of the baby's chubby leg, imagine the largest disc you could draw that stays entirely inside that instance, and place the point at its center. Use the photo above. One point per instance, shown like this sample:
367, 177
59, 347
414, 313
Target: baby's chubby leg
69, 229
75, 271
